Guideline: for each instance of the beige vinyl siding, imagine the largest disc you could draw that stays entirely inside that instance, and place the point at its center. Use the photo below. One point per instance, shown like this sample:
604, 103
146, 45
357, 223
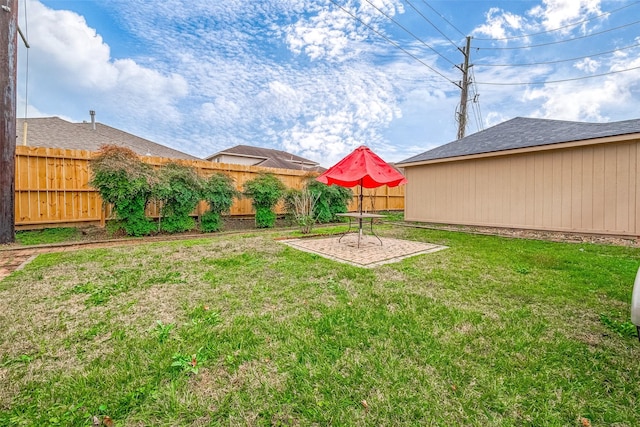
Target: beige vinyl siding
590, 188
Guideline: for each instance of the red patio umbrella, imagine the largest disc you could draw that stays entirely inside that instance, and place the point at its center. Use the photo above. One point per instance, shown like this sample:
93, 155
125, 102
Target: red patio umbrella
362, 167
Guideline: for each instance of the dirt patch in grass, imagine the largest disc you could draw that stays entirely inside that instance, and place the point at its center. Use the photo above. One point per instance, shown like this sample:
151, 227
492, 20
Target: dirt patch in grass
216, 383
9, 389
146, 307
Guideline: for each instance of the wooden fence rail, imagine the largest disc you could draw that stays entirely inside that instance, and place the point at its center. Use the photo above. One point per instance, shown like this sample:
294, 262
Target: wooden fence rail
52, 187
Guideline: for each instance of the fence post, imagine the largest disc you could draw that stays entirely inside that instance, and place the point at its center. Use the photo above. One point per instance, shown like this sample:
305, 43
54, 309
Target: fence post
103, 215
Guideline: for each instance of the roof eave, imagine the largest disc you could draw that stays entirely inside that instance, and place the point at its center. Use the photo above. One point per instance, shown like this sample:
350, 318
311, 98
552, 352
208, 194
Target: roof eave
225, 153
547, 147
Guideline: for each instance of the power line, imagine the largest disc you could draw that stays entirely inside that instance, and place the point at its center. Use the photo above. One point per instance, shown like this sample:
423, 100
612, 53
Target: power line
432, 24
559, 60
475, 103
412, 34
394, 43
445, 19
559, 41
557, 81
561, 28
476, 115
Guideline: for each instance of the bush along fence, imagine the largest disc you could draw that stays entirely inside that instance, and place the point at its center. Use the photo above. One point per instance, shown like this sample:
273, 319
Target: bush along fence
52, 189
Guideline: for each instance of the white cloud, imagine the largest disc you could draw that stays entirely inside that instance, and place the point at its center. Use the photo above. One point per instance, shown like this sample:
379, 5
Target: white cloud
587, 64
222, 112
71, 49
494, 118
554, 14
586, 100
357, 105
325, 35
593, 99
334, 34
500, 24
550, 15
66, 51
282, 100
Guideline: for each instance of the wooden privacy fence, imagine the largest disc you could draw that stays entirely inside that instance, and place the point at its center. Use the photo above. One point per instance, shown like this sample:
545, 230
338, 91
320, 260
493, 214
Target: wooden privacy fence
379, 199
52, 187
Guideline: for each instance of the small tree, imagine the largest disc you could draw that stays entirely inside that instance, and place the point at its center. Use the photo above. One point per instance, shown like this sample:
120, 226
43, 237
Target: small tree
289, 205
265, 190
123, 180
301, 204
219, 191
331, 200
179, 190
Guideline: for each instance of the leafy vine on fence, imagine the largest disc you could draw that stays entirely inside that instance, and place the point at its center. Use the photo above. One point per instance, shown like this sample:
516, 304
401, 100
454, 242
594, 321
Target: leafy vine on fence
265, 191
127, 183
179, 188
218, 191
123, 180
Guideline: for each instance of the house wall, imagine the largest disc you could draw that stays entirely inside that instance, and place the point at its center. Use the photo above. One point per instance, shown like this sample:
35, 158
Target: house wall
238, 160
591, 188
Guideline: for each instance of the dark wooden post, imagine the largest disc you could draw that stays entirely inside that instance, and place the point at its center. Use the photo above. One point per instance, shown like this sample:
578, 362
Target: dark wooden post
8, 83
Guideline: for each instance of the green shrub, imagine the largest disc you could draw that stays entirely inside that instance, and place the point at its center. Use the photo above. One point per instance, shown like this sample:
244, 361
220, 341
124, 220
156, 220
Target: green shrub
177, 223
331, 200
219, 191
265, 191
123, 180
265, 218
210, 221
179, 189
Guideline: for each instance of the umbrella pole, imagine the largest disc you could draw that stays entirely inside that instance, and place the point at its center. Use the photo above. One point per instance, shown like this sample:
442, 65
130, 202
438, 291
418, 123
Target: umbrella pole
360, 218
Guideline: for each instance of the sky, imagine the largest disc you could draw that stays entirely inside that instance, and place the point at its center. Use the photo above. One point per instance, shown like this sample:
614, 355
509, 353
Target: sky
318, 78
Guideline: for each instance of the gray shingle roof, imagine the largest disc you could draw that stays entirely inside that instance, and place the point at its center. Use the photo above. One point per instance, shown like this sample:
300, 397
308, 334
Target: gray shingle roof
522, 132
53, 132
272, 158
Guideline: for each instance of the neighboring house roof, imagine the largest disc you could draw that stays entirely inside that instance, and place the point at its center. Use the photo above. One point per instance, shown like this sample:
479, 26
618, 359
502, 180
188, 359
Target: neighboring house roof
270, 158
522, 132
54, 132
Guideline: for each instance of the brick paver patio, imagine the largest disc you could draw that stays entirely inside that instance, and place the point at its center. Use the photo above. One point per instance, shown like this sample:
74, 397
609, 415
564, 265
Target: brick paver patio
12, 261
369, 254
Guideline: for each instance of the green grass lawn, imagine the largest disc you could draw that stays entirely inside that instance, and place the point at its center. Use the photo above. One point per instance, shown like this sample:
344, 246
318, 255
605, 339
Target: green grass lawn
243, 330
48, 235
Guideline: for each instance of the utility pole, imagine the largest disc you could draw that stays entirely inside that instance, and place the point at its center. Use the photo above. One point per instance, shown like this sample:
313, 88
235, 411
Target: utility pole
464, 86
8, 77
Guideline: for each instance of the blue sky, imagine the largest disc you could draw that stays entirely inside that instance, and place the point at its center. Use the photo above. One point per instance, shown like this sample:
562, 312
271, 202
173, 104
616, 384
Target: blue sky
319, 78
